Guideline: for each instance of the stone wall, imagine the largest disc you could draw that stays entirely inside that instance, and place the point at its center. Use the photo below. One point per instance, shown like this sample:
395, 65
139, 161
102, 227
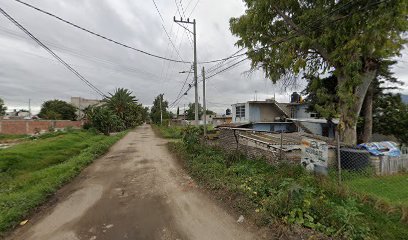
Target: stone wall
34, 126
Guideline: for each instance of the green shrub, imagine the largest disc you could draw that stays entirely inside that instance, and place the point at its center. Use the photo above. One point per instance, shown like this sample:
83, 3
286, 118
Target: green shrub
191, 137
285, 193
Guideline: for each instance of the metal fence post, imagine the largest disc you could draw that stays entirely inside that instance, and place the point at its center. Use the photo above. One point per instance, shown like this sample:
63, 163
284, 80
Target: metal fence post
236, 140
338, 158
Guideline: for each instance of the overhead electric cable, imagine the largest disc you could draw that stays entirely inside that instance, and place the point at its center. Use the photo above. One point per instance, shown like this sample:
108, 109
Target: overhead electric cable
112, 40
287, 38
193, 8
165, 30
82, 78
99, 35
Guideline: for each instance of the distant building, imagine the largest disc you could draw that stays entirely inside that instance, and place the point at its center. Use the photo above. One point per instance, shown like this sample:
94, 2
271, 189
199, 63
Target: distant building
17, 114
269, 115
217, 120
83, 103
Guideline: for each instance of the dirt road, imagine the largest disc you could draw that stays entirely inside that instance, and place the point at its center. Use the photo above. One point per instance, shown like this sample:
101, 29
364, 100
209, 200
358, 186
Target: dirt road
136, 191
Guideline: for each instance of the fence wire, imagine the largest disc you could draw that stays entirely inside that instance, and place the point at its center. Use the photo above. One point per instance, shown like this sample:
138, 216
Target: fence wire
383, 177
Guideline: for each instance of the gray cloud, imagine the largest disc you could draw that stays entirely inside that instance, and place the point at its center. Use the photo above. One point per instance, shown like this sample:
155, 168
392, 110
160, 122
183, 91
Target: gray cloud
27, 71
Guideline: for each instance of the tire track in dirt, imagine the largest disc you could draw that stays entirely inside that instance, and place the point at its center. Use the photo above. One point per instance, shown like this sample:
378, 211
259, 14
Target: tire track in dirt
136, 191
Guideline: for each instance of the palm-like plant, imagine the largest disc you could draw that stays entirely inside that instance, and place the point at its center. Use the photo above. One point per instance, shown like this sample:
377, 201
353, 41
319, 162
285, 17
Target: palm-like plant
121, 101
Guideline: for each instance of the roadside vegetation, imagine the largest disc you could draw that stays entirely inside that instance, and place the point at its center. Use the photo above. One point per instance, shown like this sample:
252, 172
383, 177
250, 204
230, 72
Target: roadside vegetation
12, 137
32, 171
174, 132
119, 111
286, 194
390, 189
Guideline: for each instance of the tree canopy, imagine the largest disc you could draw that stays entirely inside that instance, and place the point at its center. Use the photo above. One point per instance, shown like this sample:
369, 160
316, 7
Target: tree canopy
391, 117
126, 107
159, 104
190, 112
121, 111
3, 108
287, 38
57, 110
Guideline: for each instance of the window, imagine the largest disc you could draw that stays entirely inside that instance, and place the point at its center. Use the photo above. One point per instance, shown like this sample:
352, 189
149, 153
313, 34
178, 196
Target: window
240, 111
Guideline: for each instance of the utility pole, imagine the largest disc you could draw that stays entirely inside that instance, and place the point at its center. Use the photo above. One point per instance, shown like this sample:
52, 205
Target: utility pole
195, 60
161, 112
204, 106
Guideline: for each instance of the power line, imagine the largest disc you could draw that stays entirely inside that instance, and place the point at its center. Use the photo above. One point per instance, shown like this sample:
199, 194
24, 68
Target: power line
115, 41
99, 35
225, 69
194, 8
82, 78
165, 30
219, 65
184, 83
86, 57
282, 40
183, 14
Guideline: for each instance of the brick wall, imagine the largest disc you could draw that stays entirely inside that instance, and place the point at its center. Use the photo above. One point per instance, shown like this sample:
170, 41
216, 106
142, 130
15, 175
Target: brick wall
32, 126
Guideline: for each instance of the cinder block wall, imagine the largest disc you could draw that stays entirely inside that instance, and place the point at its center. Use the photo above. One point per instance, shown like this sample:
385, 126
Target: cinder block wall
227, 141
32, 126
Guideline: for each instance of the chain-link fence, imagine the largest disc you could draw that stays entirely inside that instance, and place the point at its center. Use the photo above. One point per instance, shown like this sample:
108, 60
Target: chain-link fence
384, 176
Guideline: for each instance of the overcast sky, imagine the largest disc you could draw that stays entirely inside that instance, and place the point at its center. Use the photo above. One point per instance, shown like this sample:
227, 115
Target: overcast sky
29, 72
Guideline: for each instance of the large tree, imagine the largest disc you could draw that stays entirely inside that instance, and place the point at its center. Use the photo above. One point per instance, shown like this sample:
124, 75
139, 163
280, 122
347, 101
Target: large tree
57, 110
190, 112
289, 37
322, 97
3, 108
391, 117
159, 106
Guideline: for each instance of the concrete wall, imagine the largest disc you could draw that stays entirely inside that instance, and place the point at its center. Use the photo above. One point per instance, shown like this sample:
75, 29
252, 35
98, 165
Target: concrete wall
33, 126
263, 112
315, 128
257, 112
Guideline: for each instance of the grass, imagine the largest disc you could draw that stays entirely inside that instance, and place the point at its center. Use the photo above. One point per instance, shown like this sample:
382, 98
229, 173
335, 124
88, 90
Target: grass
391, 189
174, 132
287, 194
6, 137
34, 170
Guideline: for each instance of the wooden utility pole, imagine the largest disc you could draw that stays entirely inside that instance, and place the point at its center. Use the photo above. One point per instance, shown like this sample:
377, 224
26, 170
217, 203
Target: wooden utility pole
204, 106
195, 61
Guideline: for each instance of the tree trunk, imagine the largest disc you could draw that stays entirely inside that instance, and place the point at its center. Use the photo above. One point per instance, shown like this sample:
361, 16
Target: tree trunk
368, 115
351, 105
